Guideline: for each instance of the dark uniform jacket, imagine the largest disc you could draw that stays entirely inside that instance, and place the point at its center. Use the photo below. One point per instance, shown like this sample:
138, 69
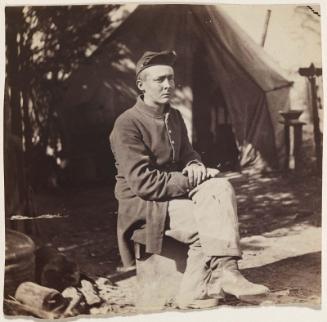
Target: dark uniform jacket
150, 150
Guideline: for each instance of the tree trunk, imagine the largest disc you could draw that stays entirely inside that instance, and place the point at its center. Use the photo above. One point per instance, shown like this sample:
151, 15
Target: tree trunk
14, 19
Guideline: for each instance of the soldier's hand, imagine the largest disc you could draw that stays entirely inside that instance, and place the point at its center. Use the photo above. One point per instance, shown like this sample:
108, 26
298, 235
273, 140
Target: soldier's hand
196, 173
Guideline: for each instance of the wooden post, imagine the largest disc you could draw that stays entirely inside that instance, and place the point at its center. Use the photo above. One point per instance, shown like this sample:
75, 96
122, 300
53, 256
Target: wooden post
311, 73
297, 144
315, 116
287, 145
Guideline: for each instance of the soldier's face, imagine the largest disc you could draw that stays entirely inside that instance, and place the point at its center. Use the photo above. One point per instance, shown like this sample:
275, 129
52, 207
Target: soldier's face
157, 84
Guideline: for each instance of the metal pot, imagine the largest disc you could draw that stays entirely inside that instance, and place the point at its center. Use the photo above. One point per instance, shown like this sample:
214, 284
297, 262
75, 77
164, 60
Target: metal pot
19, 261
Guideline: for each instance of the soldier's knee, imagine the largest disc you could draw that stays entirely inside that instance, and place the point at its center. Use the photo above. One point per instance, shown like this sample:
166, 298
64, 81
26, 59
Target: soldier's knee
221, 184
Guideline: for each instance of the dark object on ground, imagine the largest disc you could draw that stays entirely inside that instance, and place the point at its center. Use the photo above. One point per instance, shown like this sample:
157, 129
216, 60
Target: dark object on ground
19, 262
55, 270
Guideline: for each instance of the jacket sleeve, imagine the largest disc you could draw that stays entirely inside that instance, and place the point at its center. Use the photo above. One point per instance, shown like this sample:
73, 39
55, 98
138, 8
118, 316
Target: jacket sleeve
187, 154
134, 163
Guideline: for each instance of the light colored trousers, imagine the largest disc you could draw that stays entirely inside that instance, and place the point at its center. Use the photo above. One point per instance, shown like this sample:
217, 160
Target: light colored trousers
208, 223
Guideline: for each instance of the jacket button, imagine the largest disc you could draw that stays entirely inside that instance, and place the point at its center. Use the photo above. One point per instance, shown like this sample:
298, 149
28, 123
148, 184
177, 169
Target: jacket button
172, 142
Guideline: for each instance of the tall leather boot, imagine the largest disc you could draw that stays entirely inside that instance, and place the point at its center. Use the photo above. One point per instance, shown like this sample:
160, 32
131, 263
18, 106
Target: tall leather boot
193, 288
227, 279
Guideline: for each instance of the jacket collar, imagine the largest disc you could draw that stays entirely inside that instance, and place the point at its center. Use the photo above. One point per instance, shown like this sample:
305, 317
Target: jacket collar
149, 110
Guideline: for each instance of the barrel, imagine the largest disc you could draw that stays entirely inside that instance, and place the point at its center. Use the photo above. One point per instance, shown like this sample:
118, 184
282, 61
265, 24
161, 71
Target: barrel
19, 261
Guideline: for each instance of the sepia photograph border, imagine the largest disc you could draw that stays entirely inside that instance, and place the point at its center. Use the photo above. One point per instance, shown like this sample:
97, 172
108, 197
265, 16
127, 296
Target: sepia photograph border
225, 314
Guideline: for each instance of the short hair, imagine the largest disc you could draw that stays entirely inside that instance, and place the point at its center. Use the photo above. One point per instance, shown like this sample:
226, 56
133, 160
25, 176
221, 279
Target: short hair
142, 75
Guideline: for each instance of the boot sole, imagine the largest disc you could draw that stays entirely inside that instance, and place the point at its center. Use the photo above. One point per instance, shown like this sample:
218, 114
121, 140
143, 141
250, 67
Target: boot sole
198, 304
254, 299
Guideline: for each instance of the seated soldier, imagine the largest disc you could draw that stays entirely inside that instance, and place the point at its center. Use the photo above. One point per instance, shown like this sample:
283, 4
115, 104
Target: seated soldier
162, 182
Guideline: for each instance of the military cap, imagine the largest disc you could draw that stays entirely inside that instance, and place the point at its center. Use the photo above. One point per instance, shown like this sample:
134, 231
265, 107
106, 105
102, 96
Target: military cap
152, 58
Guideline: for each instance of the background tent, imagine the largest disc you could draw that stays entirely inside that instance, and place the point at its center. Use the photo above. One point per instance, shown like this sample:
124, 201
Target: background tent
224, 80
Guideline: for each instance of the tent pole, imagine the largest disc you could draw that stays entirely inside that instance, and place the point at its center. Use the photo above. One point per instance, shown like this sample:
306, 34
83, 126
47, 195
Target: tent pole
265, 30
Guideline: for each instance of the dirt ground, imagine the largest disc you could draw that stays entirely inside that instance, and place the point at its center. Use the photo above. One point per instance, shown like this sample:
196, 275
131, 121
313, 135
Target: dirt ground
280, 226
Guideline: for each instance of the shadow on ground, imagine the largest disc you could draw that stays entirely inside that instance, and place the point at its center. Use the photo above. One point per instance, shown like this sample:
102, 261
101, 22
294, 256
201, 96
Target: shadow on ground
266, 203
292, 281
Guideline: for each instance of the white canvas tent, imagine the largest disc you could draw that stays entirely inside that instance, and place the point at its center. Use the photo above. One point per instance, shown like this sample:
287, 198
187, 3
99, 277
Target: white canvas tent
219, 67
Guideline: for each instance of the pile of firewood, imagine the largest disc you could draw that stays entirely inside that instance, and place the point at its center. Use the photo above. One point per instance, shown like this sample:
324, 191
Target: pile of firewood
62, 291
